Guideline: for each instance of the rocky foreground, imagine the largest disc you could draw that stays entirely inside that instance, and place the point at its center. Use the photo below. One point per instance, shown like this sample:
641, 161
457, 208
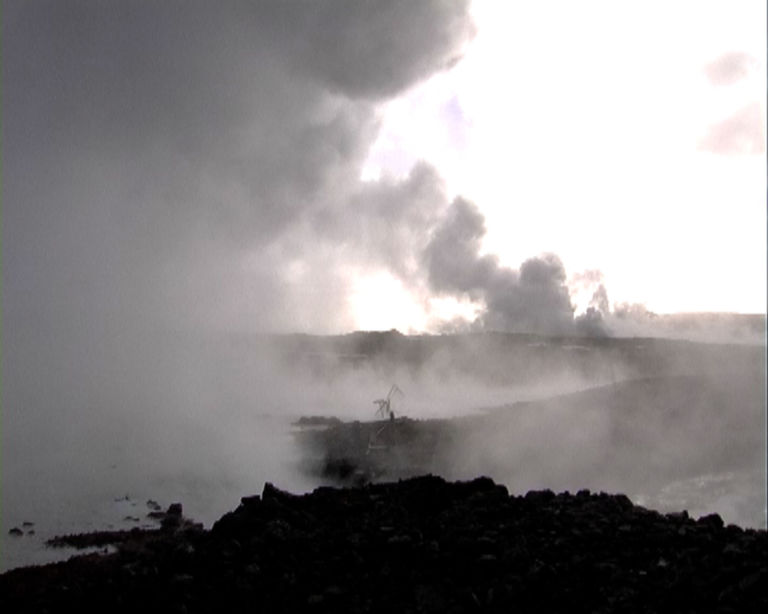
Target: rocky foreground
418, 545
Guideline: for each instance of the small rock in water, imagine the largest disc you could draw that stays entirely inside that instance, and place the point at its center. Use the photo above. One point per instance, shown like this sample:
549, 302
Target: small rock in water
16, 532
153, 505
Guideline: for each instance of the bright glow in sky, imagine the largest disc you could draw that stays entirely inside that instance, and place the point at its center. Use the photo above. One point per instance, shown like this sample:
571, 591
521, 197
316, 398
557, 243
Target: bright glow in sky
624, 137
380, 301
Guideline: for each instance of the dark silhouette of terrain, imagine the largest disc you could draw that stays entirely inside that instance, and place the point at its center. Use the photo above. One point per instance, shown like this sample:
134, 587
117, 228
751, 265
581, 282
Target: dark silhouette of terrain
500, 358
419, 545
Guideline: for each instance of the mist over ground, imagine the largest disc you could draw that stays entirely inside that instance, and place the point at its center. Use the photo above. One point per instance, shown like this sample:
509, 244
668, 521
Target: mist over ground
206, 420
182, 182
671, 423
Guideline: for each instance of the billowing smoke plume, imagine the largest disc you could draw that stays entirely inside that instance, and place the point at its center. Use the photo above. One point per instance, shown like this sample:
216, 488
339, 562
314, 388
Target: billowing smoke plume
197, 164
533, 299
593, 321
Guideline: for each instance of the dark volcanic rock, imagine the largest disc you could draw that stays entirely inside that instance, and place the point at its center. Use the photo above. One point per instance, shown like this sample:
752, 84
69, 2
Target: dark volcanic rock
419, 545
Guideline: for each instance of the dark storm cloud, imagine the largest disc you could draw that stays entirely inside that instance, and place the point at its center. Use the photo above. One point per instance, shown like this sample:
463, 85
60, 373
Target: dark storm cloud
730, 68
161, 159
533, 299
742, 133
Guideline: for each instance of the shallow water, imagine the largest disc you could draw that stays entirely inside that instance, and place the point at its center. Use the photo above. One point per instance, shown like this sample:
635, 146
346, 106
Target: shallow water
58, 501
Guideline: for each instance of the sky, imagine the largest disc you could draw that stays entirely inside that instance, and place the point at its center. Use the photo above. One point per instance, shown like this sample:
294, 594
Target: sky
426, 166
627, 139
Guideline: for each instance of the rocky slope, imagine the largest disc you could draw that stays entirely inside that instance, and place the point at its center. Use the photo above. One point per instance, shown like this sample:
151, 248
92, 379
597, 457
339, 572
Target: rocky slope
418, 545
